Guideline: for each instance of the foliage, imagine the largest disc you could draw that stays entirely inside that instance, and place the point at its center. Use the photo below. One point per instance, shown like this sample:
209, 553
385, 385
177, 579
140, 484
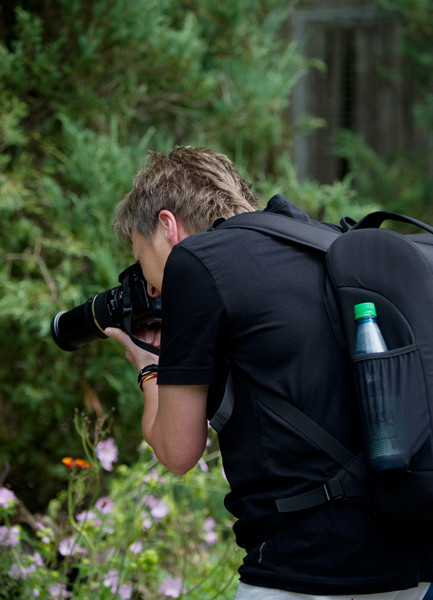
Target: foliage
58, 252
151, 535
403, 181
322, 202
416, 22
183, 68
85, 89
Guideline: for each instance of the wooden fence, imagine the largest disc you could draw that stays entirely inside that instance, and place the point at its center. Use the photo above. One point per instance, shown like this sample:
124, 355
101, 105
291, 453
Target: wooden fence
364, 88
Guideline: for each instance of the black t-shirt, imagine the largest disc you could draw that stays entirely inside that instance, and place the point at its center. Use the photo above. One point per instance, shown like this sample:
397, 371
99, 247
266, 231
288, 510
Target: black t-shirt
243, 298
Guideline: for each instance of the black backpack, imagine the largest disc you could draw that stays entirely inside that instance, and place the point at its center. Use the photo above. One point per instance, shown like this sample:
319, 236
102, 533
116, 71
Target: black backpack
367, 264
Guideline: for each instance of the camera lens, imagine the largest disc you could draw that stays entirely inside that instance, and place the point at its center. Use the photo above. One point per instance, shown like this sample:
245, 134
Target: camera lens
74, 328
126, 306
107, 309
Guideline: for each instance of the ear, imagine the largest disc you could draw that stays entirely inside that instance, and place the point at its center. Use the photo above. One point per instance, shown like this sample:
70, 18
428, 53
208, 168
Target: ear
173, 229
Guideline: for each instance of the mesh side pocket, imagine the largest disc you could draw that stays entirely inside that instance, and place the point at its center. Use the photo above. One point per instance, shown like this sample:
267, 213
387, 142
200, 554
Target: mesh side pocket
393, 405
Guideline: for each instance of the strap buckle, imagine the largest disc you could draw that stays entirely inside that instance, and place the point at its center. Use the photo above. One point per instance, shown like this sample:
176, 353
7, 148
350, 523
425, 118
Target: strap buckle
333, 490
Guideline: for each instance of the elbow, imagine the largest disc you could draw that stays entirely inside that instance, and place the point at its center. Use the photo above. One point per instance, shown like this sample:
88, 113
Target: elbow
178, 471
173, 460
176, 466
179, 454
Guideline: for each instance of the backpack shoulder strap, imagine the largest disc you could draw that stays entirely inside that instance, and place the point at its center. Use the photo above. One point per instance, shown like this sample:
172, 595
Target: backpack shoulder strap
311, 234
290, 413
340, 487
306, 426
225, 409
348, 484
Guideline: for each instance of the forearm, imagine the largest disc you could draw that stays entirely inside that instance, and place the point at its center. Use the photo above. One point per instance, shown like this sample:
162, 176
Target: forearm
150, 410
157, 433
174, 417
174, 424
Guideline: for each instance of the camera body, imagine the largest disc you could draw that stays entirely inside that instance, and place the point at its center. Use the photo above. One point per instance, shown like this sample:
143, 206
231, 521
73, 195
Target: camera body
127, 306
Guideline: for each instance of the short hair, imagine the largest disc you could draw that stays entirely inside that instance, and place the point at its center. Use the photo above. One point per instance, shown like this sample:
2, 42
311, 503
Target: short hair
196, 184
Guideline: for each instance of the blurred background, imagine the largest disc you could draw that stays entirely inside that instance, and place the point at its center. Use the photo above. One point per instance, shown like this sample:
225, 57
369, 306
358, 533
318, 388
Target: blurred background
328, 102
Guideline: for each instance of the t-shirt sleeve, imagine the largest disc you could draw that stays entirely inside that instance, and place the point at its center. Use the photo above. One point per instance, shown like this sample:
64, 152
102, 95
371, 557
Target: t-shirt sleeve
193, 322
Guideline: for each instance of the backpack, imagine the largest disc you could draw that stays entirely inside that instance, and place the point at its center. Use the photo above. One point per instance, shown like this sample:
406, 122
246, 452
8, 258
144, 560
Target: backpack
365, 263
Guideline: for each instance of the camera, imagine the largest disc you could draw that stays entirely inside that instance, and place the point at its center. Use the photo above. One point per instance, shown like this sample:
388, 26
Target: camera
127, 306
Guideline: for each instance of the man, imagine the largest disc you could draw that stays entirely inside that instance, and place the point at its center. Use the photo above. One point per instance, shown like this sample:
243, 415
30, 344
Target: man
243, 302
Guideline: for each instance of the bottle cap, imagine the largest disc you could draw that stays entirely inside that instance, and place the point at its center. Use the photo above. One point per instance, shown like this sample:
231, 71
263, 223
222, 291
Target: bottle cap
366, 309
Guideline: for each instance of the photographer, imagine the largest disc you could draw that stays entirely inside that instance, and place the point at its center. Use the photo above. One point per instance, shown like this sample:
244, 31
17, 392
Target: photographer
243, 302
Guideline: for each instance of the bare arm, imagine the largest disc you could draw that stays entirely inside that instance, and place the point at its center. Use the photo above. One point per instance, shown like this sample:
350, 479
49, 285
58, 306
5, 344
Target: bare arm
174, 424
174, 417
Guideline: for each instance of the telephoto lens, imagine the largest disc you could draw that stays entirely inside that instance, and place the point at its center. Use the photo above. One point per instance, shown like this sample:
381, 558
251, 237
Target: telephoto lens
127, 306
74, 328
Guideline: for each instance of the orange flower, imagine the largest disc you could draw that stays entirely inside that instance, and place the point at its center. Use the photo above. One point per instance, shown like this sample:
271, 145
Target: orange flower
71, 463
81, 463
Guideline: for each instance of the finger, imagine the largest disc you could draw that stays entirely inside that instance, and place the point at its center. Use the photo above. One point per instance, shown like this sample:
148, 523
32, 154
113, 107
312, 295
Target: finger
136, 356
117, 334
151, 337
157, 338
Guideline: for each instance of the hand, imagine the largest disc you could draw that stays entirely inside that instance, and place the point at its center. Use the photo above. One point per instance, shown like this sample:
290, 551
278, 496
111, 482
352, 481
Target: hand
136, 355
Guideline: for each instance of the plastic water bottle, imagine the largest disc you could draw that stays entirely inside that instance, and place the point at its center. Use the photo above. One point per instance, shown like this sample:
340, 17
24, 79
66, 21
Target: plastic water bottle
369, 338
384, 427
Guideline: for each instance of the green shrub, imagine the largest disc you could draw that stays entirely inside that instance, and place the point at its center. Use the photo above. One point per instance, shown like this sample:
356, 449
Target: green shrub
85, 89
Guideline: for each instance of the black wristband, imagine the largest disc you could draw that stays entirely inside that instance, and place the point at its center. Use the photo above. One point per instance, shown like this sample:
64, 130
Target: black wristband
147, 371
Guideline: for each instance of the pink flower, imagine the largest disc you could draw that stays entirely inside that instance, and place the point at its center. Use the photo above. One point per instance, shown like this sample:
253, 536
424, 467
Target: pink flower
209, 524
106, 453
88, 516
153, 476
171, 588
20, 572
105, 505
108, 527
203, 465
112, 580
37, 559
125, 592
136, 547
68, 547
158, 508
211, 537
7, 498
46, 533
9, 536
58, 590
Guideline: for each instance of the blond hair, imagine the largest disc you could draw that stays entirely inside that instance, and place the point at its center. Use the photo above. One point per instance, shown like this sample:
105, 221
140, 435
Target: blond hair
197, 185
